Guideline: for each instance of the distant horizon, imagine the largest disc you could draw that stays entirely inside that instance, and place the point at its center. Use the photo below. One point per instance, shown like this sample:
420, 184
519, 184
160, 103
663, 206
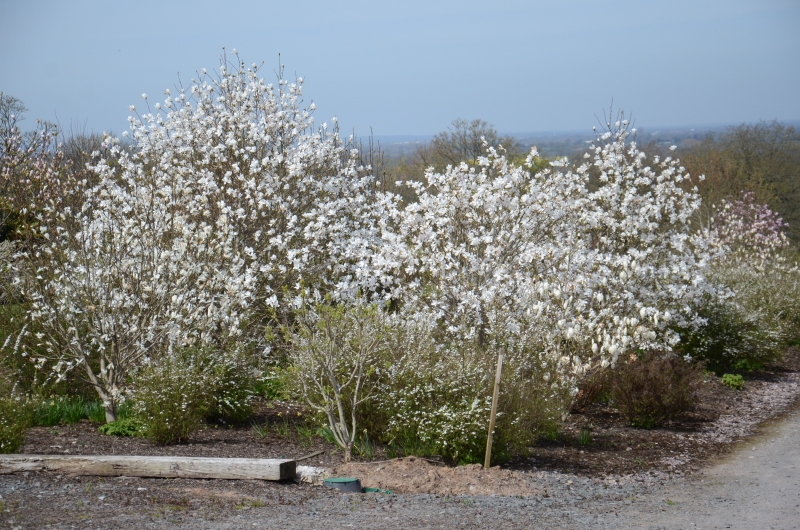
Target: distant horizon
409, 138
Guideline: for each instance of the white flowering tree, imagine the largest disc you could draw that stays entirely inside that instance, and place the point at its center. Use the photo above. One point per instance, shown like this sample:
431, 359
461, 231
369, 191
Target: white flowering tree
297, 198
226, 202
497, 249
137, 277
649, 262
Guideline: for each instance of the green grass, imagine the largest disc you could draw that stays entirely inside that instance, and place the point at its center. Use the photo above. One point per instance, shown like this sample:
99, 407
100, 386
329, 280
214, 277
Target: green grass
409, 444
585, 437
326, 434
364, 447
66, 409
306, 434
281, 427
262, 431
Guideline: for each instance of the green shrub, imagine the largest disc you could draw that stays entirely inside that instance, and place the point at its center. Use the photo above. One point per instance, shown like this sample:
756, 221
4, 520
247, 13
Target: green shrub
174, 394
445, 406
734, 381
337, 353
228, 385
16, 414
436, 400
654, 389
592, 388
751, 326
131, 426
170, 398
273, 385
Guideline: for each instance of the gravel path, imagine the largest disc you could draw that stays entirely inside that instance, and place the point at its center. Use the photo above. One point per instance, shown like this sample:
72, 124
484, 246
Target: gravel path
758, 486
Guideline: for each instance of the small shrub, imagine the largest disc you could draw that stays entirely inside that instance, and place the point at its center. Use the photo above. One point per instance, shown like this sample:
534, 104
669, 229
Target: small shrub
748, 365
170, 399
336, 352
228, 384
128, 427
16, 414
654, 389
273, 386
435, 395
593, 388
174, 394
734, 381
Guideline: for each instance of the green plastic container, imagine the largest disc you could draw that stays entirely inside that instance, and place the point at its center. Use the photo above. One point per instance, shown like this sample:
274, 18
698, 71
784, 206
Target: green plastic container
377, 490
344, 484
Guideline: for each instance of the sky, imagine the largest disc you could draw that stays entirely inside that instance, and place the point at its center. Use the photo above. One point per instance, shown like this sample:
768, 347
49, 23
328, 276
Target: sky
411, 67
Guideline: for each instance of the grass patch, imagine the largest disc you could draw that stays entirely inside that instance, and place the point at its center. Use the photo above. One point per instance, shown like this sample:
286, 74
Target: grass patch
261, 430
68, 409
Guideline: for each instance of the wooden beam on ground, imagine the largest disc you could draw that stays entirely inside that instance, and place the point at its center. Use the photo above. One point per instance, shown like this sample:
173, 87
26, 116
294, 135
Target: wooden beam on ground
152, 466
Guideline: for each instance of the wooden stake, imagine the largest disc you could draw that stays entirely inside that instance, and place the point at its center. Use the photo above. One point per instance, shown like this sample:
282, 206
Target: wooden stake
488, 460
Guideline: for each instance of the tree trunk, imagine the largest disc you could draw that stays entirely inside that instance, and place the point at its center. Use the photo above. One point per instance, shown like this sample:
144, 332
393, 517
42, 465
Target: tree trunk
111, 411
348, 452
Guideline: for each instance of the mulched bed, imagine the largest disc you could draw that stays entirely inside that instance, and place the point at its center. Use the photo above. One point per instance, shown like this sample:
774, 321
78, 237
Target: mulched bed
285, 421
722, 416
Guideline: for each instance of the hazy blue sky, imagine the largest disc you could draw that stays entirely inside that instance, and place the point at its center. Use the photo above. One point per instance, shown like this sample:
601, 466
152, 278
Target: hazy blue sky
411, 67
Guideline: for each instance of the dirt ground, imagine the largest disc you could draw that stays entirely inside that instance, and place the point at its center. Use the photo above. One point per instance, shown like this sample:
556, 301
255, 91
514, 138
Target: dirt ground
560, 484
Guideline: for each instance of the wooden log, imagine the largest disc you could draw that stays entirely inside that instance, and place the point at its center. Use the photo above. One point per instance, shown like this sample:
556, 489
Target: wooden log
152, 466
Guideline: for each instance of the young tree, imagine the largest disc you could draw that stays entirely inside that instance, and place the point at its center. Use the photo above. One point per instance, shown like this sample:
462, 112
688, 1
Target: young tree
335, 354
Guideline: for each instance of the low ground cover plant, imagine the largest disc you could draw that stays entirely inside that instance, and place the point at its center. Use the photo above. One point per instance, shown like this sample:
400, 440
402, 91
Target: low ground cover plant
130, 426
734, 381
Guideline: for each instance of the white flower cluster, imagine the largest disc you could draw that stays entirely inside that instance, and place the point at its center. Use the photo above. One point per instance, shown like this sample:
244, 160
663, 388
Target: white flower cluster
595, 261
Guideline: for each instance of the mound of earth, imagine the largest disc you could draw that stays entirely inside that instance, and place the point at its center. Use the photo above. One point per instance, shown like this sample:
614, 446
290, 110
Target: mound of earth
417, 475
